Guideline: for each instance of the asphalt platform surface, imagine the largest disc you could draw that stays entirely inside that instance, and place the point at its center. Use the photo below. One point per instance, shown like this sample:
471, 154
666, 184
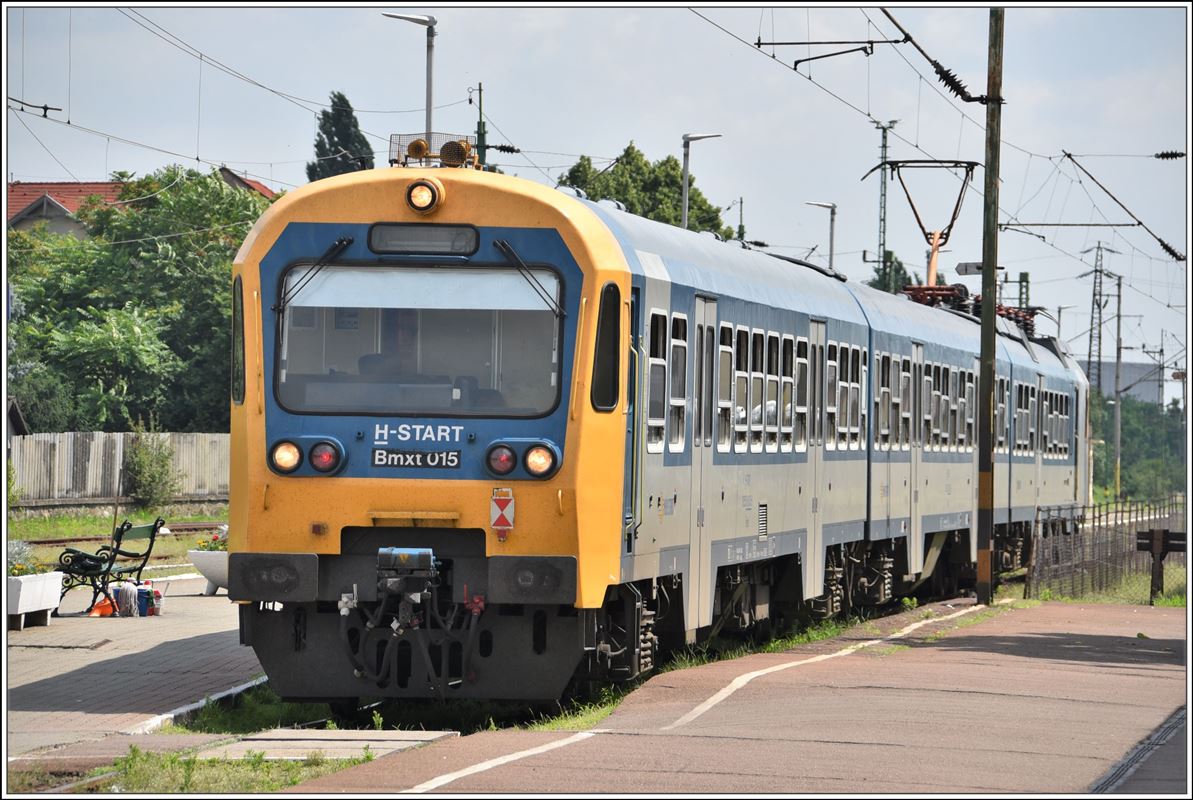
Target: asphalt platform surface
1051, 698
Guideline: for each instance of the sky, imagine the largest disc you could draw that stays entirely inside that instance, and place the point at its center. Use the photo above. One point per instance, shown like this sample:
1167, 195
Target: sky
142, 88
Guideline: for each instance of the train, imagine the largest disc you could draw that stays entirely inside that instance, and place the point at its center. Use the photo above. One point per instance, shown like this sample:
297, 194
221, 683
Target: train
491, 438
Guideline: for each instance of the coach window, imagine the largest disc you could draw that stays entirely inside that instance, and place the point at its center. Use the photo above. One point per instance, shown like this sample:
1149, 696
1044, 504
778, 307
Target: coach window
1000, 417
741, 390
801, 394
926, 408
882, 402
830, 397
937, 385
679, 382
1068, 419
757, 401
787, 395
970, 410
949, 423
962, 411
606, 363
237, 342
1046, 423
843, 396
1031, 417
698, 416
1053, 423
725, 389
857, 409
656, 414
771, 406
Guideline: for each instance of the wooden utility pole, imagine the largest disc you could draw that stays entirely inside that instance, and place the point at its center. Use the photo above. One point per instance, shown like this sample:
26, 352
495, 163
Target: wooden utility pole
1118, 396
985, 583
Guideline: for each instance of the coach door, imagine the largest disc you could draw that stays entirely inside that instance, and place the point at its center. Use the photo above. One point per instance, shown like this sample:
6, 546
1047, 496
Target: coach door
915, 532
703, 445
815, 551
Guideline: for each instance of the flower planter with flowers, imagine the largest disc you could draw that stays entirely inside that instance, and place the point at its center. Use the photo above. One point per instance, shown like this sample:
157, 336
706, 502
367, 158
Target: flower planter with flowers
32, 594
211, 559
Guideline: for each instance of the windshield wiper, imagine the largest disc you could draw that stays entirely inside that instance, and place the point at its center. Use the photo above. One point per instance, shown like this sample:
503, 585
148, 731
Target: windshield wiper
508, 251
333, 252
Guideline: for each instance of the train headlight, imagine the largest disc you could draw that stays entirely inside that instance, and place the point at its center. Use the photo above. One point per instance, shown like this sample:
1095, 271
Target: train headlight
286, 457
501, 460
424, 195
539, 461
325, 457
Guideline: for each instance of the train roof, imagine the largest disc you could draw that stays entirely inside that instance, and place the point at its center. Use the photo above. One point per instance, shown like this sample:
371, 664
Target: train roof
727, 269
704, 261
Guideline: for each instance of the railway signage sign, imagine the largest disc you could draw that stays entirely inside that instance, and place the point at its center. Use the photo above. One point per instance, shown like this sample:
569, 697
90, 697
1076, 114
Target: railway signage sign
416, 459
501, 512
1160, 543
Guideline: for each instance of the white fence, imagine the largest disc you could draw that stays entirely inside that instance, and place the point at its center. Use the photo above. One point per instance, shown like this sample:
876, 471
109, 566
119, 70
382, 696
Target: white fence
85, 468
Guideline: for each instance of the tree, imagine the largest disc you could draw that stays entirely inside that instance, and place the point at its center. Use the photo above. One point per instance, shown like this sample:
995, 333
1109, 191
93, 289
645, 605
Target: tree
902, 276
654, 191
135, 321
1153, 456
339, 146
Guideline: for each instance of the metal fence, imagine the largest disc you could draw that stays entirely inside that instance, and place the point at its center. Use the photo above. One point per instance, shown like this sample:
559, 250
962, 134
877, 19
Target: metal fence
83, 468
1092, 552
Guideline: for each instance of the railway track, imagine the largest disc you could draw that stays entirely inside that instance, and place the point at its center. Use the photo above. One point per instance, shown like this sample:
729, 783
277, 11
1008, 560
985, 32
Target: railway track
177, 529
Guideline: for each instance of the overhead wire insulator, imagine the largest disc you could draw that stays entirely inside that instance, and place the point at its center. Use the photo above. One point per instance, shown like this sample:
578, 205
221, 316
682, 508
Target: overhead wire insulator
1169, 155
951, 81
1167, 248
505, 148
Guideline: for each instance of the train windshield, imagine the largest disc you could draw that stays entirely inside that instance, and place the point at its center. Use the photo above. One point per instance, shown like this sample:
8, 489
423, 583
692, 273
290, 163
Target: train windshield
419, 341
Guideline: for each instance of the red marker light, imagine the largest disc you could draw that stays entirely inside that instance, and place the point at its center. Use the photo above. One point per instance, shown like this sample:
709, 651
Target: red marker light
502, 460
325, 457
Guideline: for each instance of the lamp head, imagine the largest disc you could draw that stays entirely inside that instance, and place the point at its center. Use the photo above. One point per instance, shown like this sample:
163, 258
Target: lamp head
821, 205
419, 19
695, 137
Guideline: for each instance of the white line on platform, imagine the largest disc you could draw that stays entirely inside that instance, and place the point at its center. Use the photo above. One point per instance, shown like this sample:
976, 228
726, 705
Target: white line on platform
742, 680
435, 783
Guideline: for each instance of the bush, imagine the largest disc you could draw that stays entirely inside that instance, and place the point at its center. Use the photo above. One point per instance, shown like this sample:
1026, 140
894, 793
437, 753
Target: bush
149, 474
14, 491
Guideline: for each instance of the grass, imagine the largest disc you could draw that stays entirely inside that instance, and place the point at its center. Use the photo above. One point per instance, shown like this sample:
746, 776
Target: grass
721, 649
171, 549
68, 526
152, 773
257, 709
1133, 589
886, 651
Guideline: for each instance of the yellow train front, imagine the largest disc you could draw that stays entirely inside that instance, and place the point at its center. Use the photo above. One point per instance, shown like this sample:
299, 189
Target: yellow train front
426, 369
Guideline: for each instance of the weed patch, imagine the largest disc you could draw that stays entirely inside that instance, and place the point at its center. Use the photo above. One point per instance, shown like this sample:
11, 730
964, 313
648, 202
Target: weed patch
257, 709
152, 773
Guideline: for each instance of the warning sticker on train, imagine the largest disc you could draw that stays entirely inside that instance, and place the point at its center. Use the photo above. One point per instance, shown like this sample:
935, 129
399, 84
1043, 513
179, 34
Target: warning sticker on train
416, 459
501, 511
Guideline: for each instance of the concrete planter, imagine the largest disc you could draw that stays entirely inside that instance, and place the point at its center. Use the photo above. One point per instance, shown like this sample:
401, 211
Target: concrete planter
31, 598
214, 566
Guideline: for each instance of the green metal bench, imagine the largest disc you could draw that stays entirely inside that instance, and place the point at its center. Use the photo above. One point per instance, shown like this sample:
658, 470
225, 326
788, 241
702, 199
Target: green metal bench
103, 567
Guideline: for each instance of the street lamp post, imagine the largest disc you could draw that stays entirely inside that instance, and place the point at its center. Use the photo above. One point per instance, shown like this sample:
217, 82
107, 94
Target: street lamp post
688, 138
429, 23
832, 225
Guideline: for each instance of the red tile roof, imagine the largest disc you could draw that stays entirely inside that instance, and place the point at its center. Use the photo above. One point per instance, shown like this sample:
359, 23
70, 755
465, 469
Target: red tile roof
260, 187
70, 195
241, 182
